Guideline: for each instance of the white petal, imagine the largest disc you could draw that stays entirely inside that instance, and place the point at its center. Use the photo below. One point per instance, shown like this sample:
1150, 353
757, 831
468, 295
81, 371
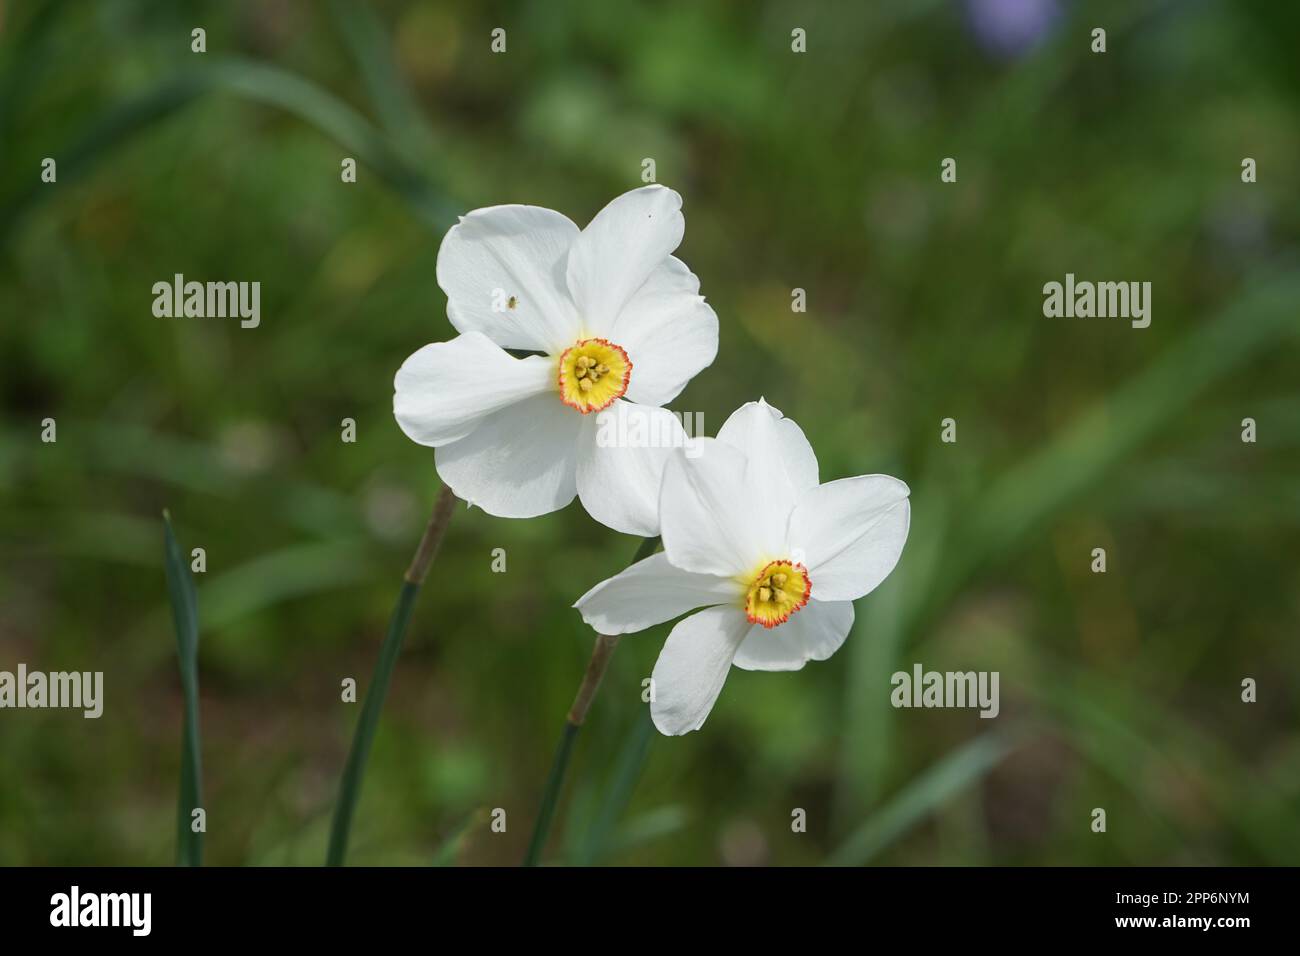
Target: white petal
619, 249
503, 251
812, 634
668, 331
851, 533
782, 466
651, 592
621, 463
693, 666
762, 432
444, 390
519, 462
707, 514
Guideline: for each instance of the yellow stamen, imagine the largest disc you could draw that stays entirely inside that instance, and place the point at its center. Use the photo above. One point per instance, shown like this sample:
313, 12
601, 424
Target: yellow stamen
775, 591
592, 374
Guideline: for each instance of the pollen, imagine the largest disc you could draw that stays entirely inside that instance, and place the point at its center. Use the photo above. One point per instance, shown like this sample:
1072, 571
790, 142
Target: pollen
775, 592
592, 374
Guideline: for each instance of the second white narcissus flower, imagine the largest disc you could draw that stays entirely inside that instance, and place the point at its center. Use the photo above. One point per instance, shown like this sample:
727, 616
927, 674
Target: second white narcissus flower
621, 328
774, 558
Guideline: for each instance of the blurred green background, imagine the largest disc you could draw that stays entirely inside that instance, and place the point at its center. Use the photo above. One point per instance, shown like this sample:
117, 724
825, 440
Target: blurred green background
818, 171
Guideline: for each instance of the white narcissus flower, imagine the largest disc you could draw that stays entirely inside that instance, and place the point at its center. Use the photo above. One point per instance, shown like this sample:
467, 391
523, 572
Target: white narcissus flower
622, 328
774, 558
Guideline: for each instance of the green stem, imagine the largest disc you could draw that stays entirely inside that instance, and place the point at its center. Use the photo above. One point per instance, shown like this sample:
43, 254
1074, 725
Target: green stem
551, 795
189, 842
354, 772
600, 656
618, 796
185, 615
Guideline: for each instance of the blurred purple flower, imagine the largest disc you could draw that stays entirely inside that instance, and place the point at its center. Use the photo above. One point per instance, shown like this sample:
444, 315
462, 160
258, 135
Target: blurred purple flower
1011, 28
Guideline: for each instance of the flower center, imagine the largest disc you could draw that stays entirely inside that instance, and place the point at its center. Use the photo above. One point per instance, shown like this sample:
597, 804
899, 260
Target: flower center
777, 591
593, 373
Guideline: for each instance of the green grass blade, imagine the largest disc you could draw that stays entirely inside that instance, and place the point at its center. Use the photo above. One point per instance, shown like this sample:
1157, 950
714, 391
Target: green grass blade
951, 775
180, 588
648, 827
296, 95
1026, 497
28, 53
1135, 736
450, 848
986, 531
367, 38
364, 737
627, 771
551, 794
117, 126
560, 764
259, 82
881, 630
354, 771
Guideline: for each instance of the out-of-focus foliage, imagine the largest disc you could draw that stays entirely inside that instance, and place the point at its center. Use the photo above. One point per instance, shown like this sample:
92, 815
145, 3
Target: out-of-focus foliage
818, 171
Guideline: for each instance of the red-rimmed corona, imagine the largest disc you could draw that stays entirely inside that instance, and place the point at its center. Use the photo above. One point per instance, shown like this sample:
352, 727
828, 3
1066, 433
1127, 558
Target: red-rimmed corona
778, 590
593, 374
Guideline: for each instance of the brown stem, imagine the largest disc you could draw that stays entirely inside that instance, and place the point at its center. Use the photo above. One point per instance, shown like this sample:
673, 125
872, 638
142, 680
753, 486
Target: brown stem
600, 655
433, 533
364, 736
